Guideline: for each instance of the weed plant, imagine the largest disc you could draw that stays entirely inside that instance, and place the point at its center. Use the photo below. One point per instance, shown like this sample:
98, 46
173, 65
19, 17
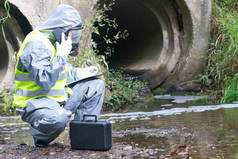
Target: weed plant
4, 19
122, 88
6, 99
221, 74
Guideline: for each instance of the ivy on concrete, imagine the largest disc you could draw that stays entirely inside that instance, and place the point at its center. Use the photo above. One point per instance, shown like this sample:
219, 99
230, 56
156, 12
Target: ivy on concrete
4, 19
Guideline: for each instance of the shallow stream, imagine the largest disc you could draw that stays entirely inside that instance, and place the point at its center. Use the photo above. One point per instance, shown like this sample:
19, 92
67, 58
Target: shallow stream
171, 125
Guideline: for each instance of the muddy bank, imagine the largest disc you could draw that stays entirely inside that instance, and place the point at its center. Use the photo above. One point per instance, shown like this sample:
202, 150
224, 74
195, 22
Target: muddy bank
119, 150
54, 151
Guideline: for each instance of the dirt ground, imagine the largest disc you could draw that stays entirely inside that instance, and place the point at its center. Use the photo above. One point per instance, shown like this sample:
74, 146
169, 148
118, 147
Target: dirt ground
60, 151
55, 151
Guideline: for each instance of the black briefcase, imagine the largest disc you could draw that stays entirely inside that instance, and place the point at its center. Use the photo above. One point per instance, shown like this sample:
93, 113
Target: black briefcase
90, 134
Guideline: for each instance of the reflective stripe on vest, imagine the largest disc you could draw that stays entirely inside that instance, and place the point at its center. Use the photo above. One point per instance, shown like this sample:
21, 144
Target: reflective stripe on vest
22, 77
26, 88
54, 92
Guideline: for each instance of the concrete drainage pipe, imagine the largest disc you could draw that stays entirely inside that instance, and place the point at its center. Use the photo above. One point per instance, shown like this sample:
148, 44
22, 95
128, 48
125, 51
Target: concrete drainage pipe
8, 47
167, 42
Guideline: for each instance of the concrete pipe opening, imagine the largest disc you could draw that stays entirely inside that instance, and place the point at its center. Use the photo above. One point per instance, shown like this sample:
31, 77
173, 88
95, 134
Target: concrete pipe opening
141, 49
160, 35
9, 46
166, 41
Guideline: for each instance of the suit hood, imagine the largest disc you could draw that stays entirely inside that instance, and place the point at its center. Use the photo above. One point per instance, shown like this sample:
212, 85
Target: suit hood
64, 17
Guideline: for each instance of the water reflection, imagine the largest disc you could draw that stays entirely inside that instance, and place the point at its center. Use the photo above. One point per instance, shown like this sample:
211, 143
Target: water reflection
208, 133
12, 129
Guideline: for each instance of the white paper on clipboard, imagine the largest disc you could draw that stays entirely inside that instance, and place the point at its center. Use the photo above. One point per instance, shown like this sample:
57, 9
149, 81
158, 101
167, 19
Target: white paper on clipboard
97, 75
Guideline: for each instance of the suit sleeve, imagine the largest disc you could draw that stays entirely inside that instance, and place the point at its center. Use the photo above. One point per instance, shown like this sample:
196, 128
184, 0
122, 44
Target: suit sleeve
73, 73
35, 59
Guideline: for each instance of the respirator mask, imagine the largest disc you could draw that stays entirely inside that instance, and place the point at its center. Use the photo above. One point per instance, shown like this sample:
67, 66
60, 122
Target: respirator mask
74, 35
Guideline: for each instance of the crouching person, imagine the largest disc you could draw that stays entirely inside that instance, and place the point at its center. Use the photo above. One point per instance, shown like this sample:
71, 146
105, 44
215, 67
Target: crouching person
42, 73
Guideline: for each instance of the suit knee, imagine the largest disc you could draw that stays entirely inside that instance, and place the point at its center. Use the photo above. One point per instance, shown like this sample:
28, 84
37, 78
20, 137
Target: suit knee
61, 122
51, 123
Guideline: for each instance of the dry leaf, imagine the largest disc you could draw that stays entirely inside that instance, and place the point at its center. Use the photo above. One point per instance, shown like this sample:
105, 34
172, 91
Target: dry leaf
173, 153
10, 154
46, 153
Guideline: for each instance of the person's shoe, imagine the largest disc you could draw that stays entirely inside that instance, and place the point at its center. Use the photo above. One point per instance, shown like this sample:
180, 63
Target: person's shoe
39, 143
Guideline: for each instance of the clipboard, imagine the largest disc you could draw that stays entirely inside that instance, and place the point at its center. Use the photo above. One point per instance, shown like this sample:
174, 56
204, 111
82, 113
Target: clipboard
94, 76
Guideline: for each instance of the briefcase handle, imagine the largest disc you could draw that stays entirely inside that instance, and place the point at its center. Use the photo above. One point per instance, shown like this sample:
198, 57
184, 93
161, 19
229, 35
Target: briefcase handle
86, 115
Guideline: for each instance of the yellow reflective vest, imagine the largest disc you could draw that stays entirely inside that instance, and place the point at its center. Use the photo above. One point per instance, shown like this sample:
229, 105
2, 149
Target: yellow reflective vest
26, 88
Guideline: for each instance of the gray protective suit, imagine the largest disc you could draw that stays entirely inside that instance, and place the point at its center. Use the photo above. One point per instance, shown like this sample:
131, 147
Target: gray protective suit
47, 117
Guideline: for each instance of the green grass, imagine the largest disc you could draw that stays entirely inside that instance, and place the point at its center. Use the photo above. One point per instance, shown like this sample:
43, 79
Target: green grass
230, 90
222, 66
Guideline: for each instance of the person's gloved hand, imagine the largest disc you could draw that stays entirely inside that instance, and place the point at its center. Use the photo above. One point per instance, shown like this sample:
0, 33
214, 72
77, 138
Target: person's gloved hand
88, 71
65, 47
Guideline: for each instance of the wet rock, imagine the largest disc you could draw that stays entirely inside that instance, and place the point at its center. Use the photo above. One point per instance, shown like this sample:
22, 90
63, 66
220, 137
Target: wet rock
52, 153
127, 148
